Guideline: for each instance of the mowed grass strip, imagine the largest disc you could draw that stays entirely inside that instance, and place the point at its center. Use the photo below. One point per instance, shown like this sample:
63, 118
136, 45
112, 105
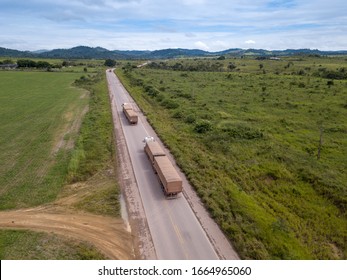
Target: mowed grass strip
36, 111
255, 133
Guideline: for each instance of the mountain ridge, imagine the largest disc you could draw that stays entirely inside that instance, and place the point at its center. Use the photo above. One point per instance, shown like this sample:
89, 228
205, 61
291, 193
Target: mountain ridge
85, 52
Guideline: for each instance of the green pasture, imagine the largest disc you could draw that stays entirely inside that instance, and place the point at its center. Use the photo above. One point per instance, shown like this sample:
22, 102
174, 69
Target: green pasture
36, 109
39, 112
264, 146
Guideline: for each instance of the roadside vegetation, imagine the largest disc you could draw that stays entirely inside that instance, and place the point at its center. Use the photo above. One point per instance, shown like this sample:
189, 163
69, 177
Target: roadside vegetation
56, 133
262, 141
93, 157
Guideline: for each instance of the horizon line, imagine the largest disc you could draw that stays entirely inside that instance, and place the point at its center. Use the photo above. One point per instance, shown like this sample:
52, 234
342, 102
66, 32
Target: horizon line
207, 51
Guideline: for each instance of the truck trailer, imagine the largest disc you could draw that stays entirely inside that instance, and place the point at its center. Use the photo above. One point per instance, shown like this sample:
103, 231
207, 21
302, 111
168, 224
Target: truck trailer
167, 173
169, 178
130, 113
153, 149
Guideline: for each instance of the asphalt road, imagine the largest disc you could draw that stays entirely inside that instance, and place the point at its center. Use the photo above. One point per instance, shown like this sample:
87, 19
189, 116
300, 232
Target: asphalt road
175, 230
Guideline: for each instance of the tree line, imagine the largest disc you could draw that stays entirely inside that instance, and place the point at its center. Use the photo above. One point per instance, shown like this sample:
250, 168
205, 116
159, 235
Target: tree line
27, 63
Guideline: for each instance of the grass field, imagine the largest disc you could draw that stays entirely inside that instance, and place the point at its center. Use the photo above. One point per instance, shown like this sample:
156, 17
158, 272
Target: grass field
269, 146
47, 142
37, 109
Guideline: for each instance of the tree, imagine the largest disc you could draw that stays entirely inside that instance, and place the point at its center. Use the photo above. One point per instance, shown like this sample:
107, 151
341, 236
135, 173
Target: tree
43, 64
26, 63
110, 63
7, 61
67, 63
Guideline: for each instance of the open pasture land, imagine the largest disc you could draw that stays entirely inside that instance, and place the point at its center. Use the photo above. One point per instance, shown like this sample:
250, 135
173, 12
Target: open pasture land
264, 144
57, 162
39, 114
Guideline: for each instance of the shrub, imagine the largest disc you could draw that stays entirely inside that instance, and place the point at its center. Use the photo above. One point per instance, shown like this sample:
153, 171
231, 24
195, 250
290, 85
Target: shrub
301, 72
169, 104
203, 126
159, 97
177, 115
190, 119
330, 83
231, 66
151, 91
43, 64
185, 95
243, 132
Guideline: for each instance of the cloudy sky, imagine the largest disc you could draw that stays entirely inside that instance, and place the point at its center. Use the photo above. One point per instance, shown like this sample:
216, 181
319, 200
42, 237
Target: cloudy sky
157, 24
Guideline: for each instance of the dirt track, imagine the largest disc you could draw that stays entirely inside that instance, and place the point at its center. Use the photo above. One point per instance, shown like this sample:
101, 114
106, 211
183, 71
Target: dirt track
109, 235
105, 233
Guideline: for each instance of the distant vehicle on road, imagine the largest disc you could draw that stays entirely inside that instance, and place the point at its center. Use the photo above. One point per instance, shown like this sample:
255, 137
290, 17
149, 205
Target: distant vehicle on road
130, 113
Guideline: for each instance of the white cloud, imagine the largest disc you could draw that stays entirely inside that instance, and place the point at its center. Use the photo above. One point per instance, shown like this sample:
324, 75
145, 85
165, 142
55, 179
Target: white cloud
201, 45
250, 42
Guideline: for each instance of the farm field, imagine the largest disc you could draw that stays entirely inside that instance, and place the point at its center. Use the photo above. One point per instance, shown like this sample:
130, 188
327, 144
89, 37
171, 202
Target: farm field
262, 141
38, 113
56, 162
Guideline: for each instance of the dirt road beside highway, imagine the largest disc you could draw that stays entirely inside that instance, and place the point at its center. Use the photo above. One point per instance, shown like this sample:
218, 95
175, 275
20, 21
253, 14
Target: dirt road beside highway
109, 235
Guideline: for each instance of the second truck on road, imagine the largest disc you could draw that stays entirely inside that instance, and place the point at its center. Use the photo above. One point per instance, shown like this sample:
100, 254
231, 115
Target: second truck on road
130, 113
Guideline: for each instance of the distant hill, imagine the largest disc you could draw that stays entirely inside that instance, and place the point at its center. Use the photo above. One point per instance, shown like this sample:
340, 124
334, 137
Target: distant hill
79, 52
14, 53
173, 53
102, 53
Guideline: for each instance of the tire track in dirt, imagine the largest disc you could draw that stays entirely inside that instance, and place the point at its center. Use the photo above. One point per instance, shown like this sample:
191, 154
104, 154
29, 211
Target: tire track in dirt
106, 233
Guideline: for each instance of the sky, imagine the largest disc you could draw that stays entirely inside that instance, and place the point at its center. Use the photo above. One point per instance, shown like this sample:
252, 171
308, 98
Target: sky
211, 25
